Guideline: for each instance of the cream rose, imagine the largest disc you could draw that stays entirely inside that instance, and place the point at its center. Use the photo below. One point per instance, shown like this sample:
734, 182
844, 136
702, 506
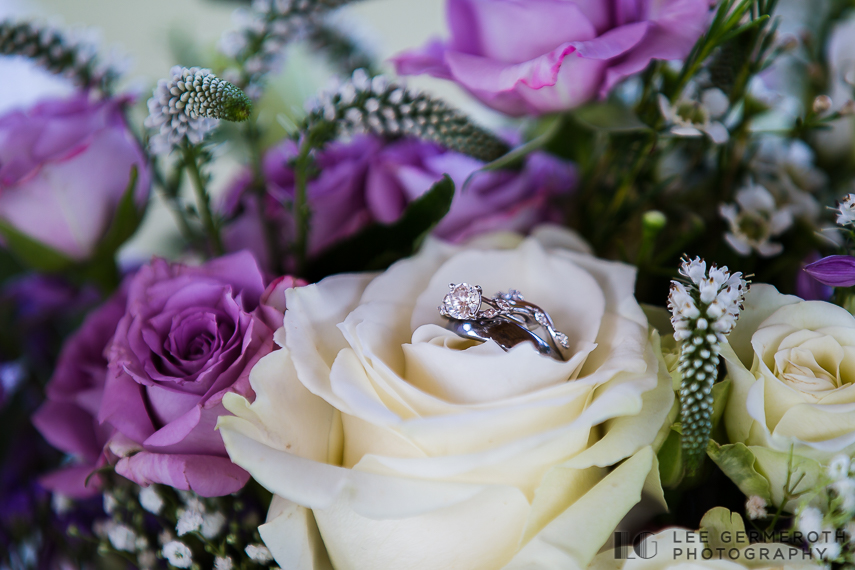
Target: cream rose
792, 364
391, 443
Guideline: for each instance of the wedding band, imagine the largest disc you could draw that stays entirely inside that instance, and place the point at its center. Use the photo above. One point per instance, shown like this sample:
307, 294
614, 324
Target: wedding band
506, 334
463, 303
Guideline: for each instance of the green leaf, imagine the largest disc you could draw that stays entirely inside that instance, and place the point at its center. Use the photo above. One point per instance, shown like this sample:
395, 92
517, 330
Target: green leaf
517, 155
737, 462
32, 252
125, 222
379, 245
720, 392
724, 530
609, 117
670, 458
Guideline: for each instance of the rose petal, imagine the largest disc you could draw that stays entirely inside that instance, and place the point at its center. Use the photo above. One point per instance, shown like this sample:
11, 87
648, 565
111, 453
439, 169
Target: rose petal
205, 475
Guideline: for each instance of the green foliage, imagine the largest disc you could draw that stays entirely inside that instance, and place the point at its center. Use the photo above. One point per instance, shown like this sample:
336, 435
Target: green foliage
100, 267
379, 245
737, 462
610, 117
724, 530
32, 252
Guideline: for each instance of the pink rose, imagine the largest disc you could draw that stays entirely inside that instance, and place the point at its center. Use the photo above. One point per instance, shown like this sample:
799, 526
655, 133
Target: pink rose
67, 419
540, 56
188, 336
64, 166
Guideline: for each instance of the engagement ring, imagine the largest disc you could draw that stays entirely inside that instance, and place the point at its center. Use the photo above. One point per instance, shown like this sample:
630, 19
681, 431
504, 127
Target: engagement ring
506, 319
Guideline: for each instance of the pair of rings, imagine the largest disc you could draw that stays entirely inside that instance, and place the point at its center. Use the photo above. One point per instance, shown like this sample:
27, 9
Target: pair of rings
508, 319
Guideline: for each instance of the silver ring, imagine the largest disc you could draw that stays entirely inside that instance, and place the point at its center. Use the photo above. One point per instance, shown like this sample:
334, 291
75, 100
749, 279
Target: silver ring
505, 333
463, 303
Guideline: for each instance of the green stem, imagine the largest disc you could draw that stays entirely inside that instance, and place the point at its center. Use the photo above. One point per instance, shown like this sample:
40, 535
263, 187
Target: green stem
259, 189
301, 207
203, 199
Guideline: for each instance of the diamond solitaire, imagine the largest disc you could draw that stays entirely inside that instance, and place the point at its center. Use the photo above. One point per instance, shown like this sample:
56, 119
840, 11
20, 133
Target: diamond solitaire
461, 302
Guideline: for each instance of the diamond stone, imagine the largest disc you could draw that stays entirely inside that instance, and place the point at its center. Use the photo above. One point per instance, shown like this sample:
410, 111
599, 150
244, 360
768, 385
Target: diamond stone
462, 301
562, 339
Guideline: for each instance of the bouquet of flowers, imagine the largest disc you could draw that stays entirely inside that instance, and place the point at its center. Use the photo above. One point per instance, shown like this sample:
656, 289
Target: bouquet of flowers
610, 327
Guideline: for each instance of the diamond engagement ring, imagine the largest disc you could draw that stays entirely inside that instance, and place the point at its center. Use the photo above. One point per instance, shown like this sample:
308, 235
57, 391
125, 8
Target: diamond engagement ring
507, 319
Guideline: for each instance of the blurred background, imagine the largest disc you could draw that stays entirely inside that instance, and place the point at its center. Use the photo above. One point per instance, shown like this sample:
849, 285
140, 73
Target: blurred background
149, 37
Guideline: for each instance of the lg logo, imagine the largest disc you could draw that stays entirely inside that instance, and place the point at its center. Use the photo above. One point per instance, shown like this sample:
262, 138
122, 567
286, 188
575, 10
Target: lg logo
642, 548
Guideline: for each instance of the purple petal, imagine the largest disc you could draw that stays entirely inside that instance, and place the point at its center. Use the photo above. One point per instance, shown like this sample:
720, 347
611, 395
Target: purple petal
834, 270
206, 475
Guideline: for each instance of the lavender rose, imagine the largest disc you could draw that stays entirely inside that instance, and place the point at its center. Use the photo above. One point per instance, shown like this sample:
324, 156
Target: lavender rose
64, 165
189, 336
365, 181
541, 56
68, 418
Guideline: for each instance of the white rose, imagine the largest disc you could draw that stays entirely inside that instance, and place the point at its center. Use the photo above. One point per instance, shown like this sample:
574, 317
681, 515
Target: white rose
412, 448
792, 364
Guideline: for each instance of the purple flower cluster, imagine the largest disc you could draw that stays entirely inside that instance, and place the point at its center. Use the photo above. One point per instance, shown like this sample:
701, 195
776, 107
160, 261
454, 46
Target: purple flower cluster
366, 180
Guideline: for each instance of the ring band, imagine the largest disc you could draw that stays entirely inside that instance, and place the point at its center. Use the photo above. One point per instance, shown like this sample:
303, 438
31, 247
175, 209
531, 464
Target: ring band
505, 333
462, 304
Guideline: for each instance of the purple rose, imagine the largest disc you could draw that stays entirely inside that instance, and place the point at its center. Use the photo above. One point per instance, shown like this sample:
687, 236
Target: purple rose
64, 165
365, 181
540, 56
68, 418
188, 336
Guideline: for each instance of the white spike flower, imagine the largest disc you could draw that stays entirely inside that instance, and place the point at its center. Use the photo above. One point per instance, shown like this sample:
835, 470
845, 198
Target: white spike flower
69, 54
704, 309
380, 106
188, 106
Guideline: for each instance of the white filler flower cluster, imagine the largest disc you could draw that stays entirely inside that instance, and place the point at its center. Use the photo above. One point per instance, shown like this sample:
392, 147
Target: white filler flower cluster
826, 514
704, 309
377, 105
188, 106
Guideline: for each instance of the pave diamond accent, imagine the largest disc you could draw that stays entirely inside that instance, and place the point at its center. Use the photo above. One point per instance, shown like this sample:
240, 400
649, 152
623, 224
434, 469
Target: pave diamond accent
462, 301
562, 339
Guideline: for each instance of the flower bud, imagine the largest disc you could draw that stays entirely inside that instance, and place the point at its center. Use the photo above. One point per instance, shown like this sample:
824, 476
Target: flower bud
822, 104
